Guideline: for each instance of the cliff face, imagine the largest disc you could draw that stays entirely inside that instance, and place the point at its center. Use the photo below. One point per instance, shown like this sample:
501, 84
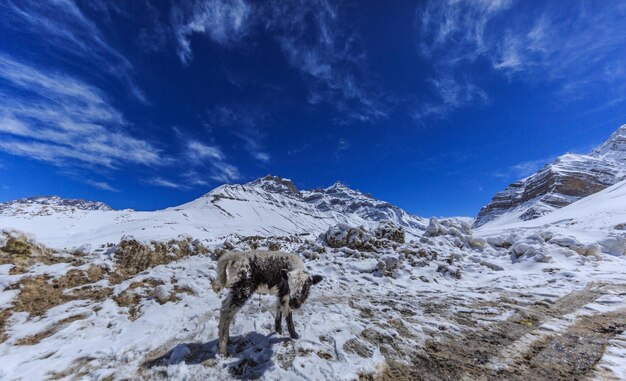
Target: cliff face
565, 180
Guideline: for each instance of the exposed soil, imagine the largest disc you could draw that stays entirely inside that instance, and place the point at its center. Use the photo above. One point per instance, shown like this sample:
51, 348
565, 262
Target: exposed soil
517, 348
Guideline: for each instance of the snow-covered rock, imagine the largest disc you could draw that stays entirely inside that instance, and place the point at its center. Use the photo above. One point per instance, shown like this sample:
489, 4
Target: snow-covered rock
343, 235
529, 248
389, 230
613, 245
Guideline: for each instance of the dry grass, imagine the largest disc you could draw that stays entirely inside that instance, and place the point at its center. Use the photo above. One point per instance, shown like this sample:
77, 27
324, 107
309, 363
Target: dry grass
41, 292
133, 257
56, 327
21, 252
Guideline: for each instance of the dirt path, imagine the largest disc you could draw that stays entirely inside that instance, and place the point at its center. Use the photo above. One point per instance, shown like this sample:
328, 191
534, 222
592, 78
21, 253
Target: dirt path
542, 339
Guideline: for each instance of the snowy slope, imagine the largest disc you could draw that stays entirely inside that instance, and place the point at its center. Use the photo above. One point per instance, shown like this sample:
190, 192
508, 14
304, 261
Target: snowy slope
499, 302
439, 303
270, 206
565, 180
596, 216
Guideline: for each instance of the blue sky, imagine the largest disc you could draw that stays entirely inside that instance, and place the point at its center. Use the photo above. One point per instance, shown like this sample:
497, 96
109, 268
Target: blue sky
431, 105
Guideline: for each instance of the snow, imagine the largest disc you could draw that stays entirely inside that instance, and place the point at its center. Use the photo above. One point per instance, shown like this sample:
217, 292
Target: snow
251, 209
378, 302
561, 182
590, 220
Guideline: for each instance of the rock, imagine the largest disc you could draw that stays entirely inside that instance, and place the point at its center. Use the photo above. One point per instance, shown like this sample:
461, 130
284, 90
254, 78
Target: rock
570, 243
613, 245
161, 294
342, 235
389, 230
529, 248
433, 228
178, 354
492, 266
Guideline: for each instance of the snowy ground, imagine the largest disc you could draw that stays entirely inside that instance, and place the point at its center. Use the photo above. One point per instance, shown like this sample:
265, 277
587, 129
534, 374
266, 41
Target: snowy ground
530, 301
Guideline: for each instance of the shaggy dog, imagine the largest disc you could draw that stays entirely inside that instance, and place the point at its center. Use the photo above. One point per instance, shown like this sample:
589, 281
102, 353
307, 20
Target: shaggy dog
265, 272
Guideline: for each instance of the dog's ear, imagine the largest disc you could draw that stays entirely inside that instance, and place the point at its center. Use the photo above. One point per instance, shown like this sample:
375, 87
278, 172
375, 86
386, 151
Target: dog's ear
284, 273
316, 279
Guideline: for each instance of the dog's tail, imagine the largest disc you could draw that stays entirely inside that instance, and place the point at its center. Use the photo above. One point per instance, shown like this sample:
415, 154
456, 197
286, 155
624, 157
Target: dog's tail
222, 269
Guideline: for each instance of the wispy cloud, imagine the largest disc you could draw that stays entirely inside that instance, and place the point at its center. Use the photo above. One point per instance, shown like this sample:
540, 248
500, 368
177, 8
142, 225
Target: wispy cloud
207, 161
574, 47
161, 182
450, 95
194, 178
527, 168
225, 173
65, 32
213, 158
59, 119
102, 185
523, 169
224, 22
316, 40
198, 152
314, 37
244, 122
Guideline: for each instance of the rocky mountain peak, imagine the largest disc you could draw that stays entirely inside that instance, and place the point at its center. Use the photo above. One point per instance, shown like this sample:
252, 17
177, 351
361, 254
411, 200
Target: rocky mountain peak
614, 148
338, 185
276, 184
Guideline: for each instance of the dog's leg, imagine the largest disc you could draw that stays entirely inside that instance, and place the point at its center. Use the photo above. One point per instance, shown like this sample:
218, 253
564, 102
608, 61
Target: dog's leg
230, 306
290, 327
279, 317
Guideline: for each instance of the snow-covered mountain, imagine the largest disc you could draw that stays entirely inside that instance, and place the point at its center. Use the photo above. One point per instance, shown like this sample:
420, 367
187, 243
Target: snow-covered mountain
512, 296
340, 199
269, 206
388, 308
48, 205
590, 219
567, 179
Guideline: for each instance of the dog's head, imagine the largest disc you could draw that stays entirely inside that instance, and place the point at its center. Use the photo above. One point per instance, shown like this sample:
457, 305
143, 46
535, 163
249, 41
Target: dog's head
300, 283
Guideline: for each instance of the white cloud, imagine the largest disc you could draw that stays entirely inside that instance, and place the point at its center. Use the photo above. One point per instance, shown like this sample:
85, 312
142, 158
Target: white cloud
208, 161
67, 33
198, 152
243, 121
224, 22
315, 40
313, 37
225, 173
451, 95
161, 182
194, 178
573, 45
261, 156
58, 119
102, 185
527, 168
523, 169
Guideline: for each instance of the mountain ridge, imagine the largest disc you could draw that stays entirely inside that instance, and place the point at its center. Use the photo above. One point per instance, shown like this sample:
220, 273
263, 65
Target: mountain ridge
268, 206
561, 182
